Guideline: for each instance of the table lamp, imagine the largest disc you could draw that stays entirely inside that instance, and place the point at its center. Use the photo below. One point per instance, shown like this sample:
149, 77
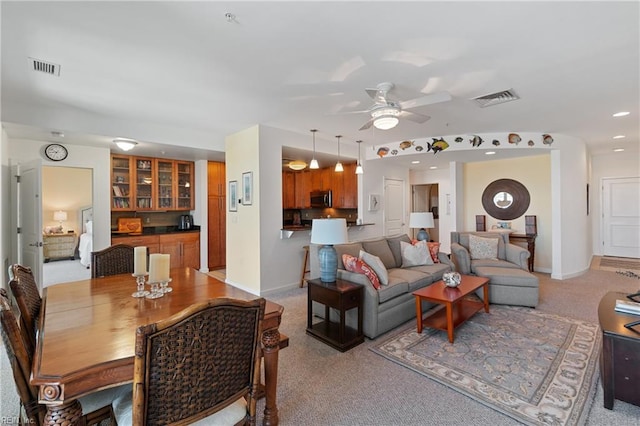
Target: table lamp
60, 216
328, 232
421, 220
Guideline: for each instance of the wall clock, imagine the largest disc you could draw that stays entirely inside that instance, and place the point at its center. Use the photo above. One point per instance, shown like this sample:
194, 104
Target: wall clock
56, 152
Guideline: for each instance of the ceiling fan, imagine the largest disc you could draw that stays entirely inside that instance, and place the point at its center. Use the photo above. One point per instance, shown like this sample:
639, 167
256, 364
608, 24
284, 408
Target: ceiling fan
386, 113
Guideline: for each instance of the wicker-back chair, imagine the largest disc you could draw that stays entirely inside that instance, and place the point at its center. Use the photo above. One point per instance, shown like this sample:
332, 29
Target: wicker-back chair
25, 291
201, 363
98, 406
113, 260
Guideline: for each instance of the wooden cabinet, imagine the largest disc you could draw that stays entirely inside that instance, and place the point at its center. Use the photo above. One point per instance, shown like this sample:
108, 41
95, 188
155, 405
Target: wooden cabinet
303, 189
121, 181
345, 188
151, 184
184, 249
59, 246
288, 190
296, 187
217, 215
150, 241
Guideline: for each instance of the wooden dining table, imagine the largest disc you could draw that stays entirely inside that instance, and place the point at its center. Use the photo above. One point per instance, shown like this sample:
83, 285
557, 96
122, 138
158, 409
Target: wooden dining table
86, 337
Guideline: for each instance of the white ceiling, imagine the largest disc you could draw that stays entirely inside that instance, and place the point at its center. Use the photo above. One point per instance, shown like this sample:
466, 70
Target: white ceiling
180, 76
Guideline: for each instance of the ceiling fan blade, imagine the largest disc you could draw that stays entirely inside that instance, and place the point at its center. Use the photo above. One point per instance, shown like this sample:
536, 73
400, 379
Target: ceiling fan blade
373, 93
433, 98
415, 117
366, 125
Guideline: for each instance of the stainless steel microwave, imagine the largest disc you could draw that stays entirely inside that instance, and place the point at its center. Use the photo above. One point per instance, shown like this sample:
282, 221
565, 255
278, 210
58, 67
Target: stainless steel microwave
321, 199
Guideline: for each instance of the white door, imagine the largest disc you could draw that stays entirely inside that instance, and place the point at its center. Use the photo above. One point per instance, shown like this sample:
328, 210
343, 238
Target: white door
28, 211
621, 217
394, 206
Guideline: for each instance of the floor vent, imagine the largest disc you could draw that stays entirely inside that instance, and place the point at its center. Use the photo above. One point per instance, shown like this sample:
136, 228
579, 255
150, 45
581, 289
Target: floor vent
496, 98
44, 66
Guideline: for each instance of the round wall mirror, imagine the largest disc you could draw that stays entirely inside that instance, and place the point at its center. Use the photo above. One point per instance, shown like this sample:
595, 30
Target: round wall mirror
505, 199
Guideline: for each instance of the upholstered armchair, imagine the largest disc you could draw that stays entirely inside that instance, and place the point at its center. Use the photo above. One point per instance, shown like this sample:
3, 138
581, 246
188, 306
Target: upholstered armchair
506, 255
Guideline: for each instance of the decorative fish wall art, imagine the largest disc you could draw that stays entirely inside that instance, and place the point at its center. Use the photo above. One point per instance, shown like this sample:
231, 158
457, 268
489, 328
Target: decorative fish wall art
406, 144
495, 142
547, 139
437, 145
514, 138
459, 139
531, 143
476, 141
382, 151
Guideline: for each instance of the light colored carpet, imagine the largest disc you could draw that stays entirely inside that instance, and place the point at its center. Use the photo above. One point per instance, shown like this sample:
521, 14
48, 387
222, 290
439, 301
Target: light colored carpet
62, 271
533, 366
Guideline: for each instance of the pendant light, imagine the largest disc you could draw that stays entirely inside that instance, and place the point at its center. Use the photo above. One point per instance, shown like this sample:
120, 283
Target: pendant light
339, 167
359, 170
314, 162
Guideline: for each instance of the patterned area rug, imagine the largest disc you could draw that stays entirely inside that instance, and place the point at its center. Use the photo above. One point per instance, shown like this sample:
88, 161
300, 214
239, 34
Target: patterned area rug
535, 367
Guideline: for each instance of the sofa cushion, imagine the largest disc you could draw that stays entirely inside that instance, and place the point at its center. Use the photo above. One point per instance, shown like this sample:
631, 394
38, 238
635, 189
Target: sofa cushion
508, 277
415, 278
381, 249
394, 245
415, 255
493, 263
434, 271
483, 248
396, 287
352, 249
353, 264
376, 264
434, 249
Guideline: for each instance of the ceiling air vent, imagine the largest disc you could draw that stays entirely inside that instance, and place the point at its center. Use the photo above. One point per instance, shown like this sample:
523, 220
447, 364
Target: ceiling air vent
44, 66
496, 98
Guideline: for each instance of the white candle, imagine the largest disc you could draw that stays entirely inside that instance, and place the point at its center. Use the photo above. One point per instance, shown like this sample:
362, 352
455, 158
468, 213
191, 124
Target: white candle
158, 267
139, 260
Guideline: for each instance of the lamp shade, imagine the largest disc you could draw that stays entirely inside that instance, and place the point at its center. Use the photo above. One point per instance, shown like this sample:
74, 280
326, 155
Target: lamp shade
60, 215
328, 232
421, 220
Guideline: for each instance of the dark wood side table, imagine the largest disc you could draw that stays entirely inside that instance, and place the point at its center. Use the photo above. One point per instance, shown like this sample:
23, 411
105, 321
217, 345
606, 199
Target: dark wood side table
341, 295
530, 239
620, 354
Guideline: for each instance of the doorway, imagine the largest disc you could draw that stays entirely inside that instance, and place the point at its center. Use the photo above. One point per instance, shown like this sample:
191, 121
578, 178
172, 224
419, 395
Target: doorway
621, 217
424, 198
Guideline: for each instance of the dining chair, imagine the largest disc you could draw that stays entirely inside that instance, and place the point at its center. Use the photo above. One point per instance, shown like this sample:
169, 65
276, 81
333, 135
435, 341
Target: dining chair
25, 291
201, 365
97, 408
113, 260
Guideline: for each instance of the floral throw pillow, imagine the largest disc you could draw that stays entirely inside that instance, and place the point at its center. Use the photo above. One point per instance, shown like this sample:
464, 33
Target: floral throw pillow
483, 248
353, 264
415, 254
434, 248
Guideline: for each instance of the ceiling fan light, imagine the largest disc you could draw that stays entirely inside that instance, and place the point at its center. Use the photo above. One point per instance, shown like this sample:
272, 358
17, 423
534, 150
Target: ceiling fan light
314, 164
386, 122
125, 144
297, 165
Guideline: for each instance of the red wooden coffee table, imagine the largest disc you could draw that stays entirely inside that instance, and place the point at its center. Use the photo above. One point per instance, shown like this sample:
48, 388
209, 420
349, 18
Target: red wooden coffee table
456, 309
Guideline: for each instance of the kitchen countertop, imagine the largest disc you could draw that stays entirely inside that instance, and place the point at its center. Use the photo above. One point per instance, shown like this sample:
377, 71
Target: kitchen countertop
156, 230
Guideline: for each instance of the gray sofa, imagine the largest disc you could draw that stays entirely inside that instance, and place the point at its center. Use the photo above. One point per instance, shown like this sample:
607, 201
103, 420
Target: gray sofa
510, 281
393, 304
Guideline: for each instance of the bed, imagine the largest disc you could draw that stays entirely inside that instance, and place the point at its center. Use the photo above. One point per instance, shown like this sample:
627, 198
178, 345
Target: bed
85, 246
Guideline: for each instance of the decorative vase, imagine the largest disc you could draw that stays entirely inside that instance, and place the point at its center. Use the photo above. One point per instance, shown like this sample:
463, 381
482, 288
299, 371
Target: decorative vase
451, 279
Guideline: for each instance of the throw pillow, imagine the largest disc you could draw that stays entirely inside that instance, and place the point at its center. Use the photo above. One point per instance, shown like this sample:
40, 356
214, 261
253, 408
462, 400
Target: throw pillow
376, 264
415, 255
353, 264
434, 248
483, 248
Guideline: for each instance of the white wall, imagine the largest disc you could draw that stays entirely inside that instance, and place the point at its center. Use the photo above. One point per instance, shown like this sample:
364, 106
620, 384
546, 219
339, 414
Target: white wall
613, 165
5, 208
97, 159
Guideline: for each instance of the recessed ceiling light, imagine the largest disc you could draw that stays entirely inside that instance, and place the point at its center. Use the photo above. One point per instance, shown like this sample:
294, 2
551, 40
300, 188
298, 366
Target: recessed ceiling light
618, 150
621, 114
489, 153
433, 167
57, 134
619, 137
415, 162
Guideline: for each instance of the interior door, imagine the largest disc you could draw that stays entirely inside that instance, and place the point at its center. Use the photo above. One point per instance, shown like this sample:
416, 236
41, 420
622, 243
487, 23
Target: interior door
394, 206
28, 211
621, 217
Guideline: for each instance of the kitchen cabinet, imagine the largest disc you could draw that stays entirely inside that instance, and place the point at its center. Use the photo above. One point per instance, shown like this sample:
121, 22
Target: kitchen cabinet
150, 241
345, 188
288, 190
184, 249
216, 215
302, 189
296, 187
151, 184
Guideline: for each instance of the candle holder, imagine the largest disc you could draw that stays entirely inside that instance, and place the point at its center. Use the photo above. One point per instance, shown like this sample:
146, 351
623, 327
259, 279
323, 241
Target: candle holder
164, 286
155, 291
140, 283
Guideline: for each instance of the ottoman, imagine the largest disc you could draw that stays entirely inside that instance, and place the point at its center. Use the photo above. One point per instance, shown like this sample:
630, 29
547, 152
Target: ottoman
510, 286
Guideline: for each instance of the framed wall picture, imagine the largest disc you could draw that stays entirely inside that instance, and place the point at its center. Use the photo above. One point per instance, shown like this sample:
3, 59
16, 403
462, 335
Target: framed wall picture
374, 202
233, 195
247, 188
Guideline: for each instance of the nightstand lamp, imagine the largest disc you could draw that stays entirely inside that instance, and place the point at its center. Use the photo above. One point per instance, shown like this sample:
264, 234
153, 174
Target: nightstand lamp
328, 232
60, 216
421, 220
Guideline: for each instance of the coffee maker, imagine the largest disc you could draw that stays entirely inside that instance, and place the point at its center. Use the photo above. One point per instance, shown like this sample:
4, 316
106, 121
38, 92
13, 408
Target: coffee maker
186, 222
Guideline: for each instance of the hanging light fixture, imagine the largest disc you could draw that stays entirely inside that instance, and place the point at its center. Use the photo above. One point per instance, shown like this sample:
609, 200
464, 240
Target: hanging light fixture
359, 170
339, 167
297, 165
125, 144
314, 162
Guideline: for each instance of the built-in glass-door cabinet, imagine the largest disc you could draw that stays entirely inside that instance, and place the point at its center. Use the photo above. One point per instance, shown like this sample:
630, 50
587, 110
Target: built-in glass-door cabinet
185, 185
166, 198
145, 168
121, 175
